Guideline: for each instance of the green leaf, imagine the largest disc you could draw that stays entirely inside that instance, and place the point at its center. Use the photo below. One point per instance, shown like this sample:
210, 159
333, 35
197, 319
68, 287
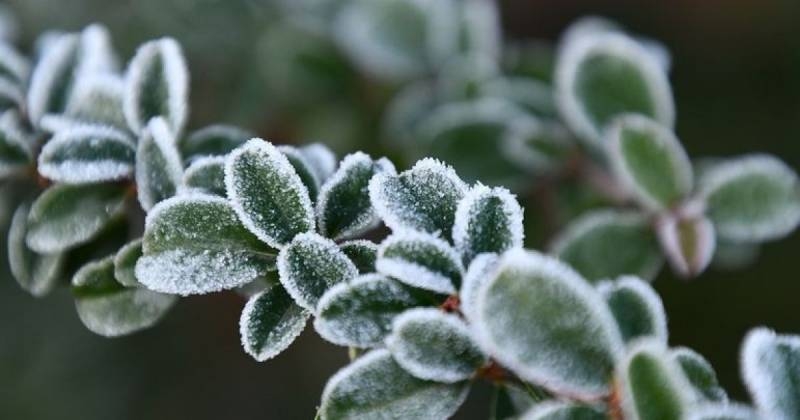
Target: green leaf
344, 208
605, 74
195, 244
310, 265
771, 371
270, 322
652, 384
159, 168
487, 220
66, 216
606, 244
565, 339
157, 85
688, 241
125, 263
304, 170
87, 153
422, 198
700, 374
362, 253
649, 161
360, 313
35, 273
420, 260
753, 198
14, 67
109, 309
97, 100
552, 410
206, 174
267, 193
213, 140
376, 387
433, 345
15, 149
636, 307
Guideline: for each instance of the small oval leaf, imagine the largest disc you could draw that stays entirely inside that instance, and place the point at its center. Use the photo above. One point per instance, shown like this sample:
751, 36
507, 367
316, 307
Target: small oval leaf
270, 322
636, 307
420, 260
35, 273
771, 368
688, 242
125, 263
362, 253
487, 220
158, 164
206, 174
87, 154
700, 374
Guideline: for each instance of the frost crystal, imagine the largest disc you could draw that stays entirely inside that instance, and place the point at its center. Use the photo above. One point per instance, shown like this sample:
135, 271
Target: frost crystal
487, 220
87, 154
270, 322
420, 260
159, 169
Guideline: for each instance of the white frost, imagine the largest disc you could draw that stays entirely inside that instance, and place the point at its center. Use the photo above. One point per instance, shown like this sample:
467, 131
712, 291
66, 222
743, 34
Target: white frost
409, 267
655, 308
769, 368
466, 225
156, 134
72, 169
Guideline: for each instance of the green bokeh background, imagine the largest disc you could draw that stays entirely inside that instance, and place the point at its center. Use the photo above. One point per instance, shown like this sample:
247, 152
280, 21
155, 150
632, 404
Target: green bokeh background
736, 79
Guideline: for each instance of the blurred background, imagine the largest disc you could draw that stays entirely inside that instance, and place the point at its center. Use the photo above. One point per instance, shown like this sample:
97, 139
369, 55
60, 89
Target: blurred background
736, 81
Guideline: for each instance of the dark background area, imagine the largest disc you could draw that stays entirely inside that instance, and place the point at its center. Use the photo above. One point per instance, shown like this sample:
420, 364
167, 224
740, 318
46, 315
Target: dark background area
736, 80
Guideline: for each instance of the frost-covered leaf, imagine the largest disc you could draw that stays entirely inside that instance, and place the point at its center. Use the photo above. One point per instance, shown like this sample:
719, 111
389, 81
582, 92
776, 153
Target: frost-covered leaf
267, 193
15, 149
195, 244
487, 220
362, 253
304, 170
565, 339
552, 410
344, 208
606, 244
688, 242
66, 216
754, 198
14, 67
11, 95
480, 27
213, 140
35, 273
109, 309
270, 322
725, 411
422, 198
156, 85
433, 345
649, 161
652, 385
771, 371
636, 307
321, 159
206, 174
310, 265
159, 169
125, 263
700, 374
360, 313
88, 153
420, 260
98, 100
376, 387
478, 273
604, 74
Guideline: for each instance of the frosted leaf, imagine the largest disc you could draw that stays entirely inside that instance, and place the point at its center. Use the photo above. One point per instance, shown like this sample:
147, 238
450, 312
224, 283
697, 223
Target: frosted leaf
270, 322
362, 253
688, 242
487, 220
11, 95
159, 170
607, 244
726, 411
303, 169
480, 27
66, 216
195, 244
344, 208
109, 309
206, 174
88, 153
652, 385
376, 387
157, 85
606, 74
649, 161
267, 193
321, 159
770, 369
433, 345
422, 198
636, 307
478, 273
558, 410
700, 374
98, 100
14, 67
125, 263
535, 145
360, 313
420, 260
754, 198
15, 149
35, 273
213, 140
565, 339
310, 265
